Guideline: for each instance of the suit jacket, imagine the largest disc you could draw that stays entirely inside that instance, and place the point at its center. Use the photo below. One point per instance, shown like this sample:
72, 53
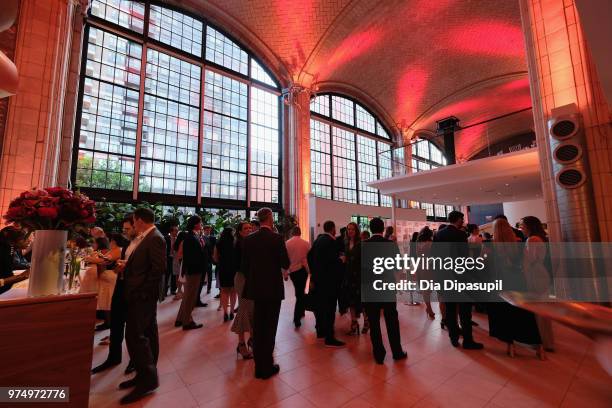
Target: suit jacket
377, 246
145, 267
325, 266
195, 256
264, 255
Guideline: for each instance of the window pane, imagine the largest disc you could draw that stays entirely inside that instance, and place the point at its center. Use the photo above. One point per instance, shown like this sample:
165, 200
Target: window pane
365, 120
170, 130
260, 74
113, 59
176, 29
422, 149
320, 105
367, 170
380, 130
225, 95
320, 159
221, 50
344, 171
264, 146
384, 160
342, 110
109, 114
126, 13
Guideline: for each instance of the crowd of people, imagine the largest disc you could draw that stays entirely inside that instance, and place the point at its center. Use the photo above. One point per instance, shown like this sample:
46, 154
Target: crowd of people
140, 267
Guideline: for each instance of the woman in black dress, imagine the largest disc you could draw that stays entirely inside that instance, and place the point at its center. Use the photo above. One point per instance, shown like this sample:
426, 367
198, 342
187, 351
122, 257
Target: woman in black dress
224, 255
352, 251
509, 323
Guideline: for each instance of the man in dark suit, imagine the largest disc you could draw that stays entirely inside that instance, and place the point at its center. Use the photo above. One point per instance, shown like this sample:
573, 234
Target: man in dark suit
326, 269
119, 307
389, 305
143, 272
264, 256
458, 248
195, 255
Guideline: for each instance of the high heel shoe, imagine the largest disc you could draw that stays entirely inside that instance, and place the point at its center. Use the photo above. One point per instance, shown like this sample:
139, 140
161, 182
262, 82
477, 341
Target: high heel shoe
510, 350
243, 350
354, 329
430, 314
225, 317
366, 327
540, 353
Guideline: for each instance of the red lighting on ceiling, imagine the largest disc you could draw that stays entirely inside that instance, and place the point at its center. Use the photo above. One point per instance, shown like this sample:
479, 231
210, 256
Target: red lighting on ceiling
487, 38
410, 91
350, 48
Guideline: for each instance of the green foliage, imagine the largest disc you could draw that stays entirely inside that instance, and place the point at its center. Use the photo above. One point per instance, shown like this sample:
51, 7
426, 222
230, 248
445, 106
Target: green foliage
109, 216
105, 174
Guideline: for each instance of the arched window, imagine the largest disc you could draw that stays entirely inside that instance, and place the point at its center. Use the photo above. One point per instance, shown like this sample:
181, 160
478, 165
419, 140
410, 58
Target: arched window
427, 156
172, 110
349, 148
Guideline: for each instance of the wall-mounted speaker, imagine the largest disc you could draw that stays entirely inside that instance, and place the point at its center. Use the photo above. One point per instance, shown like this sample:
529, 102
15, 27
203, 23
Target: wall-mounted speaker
570, 167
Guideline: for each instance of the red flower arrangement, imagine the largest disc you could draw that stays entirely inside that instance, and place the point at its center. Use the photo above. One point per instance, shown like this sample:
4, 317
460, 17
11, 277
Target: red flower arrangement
53, 208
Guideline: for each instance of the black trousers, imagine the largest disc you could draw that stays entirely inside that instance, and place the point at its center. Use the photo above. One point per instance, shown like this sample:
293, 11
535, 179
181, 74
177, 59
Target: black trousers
299, 284
209, 275
169, 278
265, 323
393, 331
326, 314
465, 316
142, 337
117, 323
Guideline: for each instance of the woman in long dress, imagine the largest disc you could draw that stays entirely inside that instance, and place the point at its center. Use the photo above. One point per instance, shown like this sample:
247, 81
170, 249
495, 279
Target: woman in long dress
352, 250
423, 245
243, 323
509, 323
537, 272
225, 257
105, 256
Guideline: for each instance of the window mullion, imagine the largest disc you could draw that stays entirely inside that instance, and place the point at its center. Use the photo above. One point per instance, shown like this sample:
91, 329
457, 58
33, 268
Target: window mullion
200, 137
139, 125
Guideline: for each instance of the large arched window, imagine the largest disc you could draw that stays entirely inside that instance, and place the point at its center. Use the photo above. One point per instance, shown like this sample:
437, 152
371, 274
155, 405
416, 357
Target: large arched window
172, 110
349, 147
426, 156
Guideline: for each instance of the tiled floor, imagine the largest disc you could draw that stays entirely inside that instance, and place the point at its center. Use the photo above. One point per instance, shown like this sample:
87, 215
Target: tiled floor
200, 368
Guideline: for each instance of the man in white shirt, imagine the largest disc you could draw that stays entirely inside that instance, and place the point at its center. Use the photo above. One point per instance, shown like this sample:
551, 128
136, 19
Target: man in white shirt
298, 271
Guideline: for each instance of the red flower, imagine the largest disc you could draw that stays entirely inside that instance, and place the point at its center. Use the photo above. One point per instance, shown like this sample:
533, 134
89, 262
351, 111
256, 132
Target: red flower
47, 212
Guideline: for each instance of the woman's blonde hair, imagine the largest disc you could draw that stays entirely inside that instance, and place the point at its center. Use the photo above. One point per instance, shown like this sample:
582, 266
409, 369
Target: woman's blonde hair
502, 231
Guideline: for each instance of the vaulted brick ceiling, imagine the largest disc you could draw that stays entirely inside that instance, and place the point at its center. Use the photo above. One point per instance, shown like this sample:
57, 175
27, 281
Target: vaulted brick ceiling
413, 60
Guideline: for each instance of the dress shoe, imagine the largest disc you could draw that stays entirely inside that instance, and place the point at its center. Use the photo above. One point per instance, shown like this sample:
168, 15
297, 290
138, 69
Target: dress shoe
297, 324
320, 336
136, 394
455, 342
105, 365
128, 384
275, 370
334, 343
380, 361
178, 324
192, 326
201, 304
402, 356
130, 368
472, 345
218, 296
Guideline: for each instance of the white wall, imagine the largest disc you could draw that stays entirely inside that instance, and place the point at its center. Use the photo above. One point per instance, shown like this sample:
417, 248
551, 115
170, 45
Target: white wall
321, 210
519, 209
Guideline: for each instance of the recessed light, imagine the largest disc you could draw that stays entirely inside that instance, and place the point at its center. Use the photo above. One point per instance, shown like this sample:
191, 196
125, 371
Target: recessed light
507, 184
